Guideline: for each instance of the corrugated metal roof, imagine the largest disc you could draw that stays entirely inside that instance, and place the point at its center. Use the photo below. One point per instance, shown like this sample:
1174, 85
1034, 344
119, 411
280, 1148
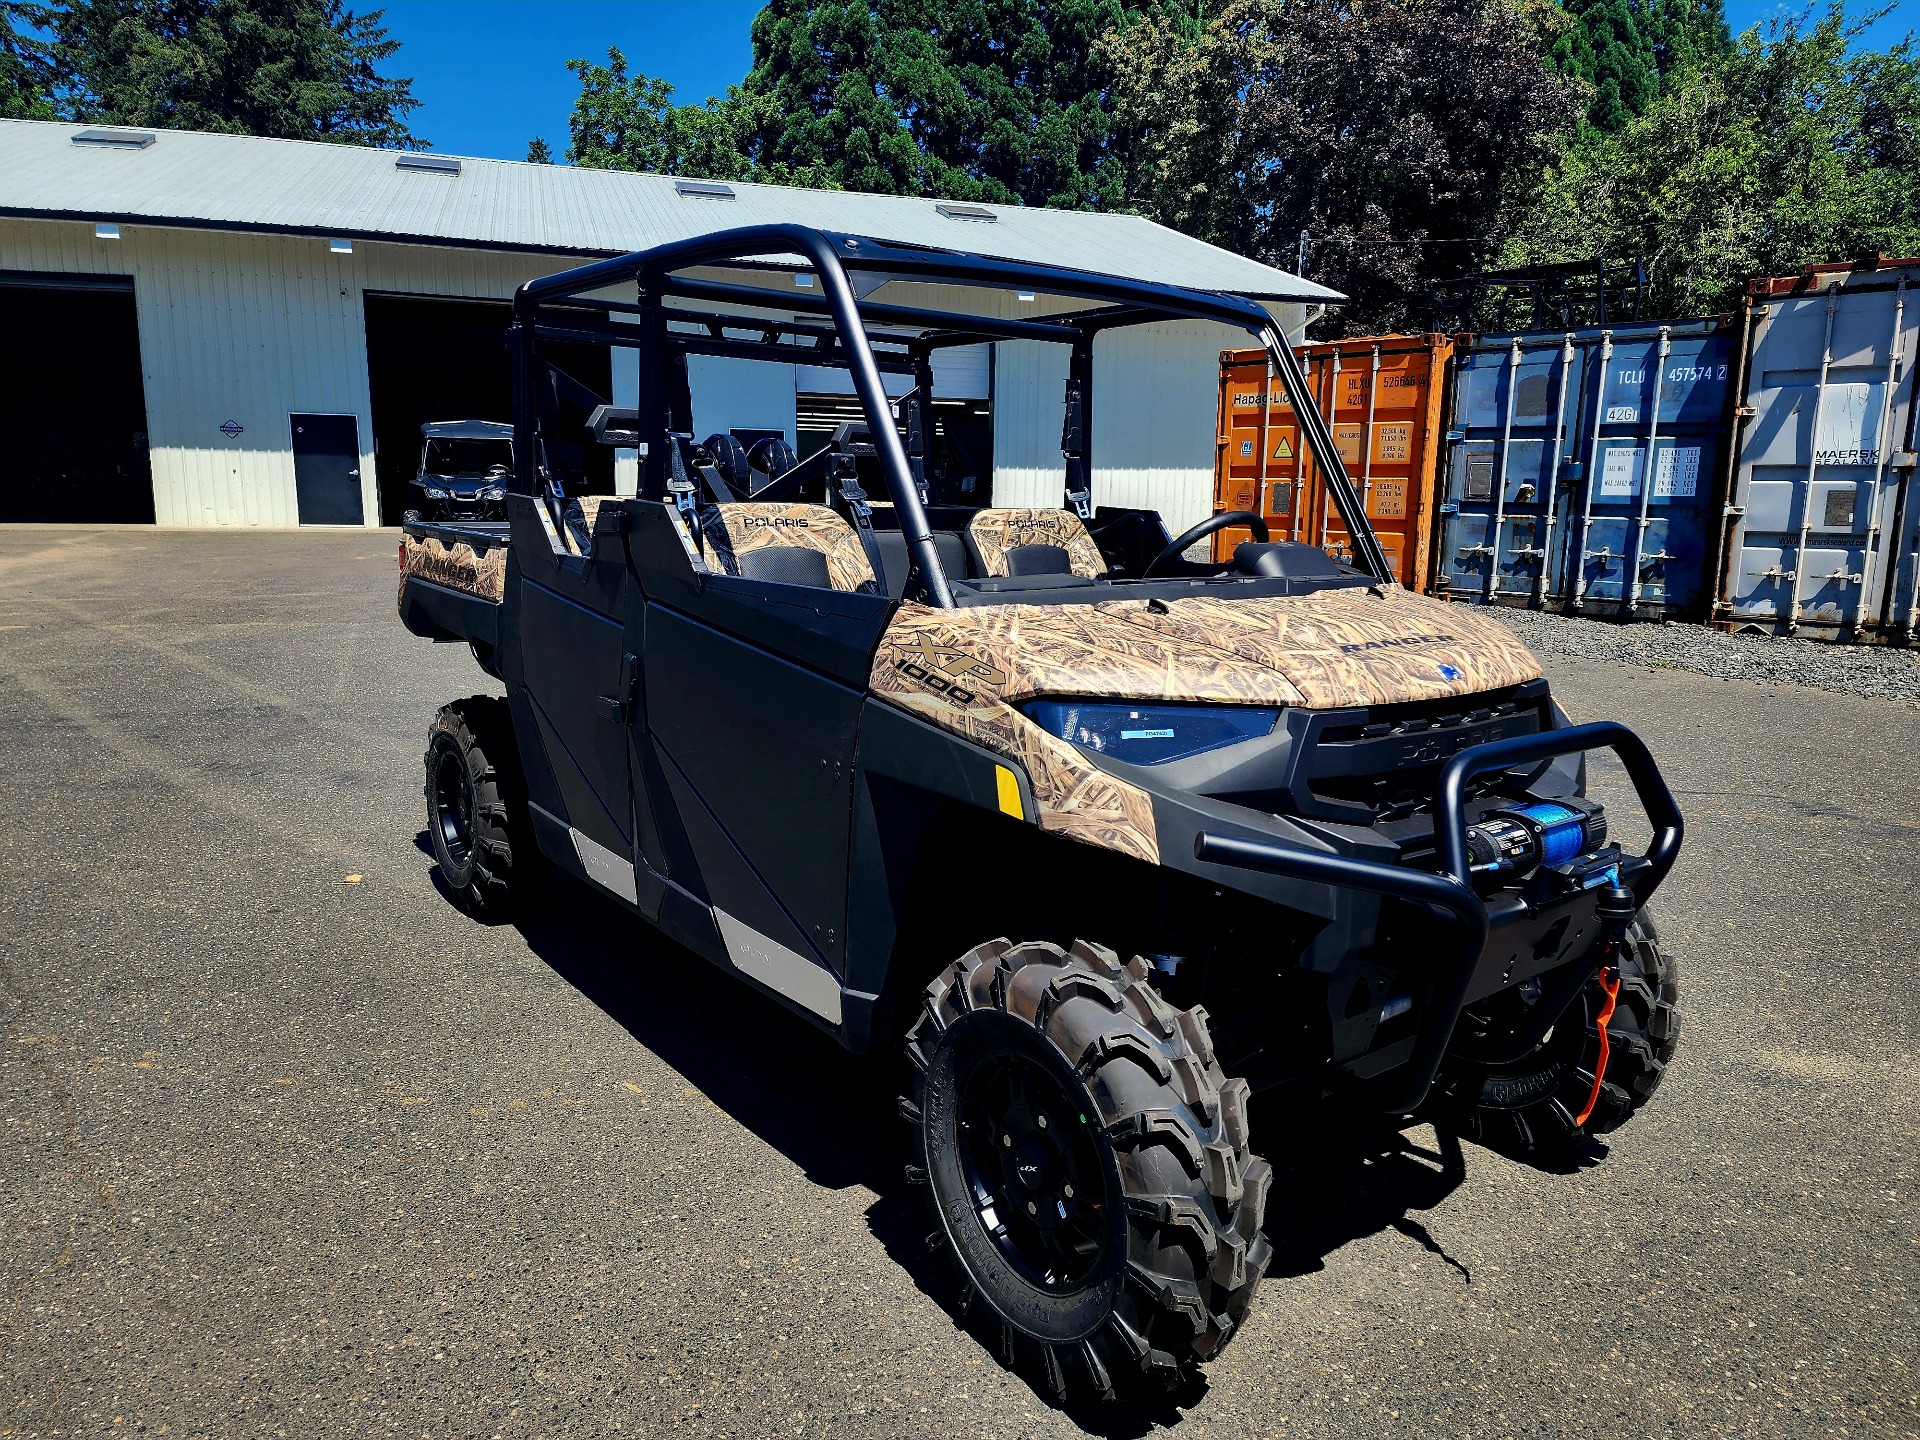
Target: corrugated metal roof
302, 187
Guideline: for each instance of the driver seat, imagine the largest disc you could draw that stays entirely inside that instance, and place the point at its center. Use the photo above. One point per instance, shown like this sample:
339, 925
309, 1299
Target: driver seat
1033, 542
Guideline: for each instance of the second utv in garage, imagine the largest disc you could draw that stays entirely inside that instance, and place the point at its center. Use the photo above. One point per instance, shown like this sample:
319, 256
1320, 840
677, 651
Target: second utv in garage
465, 468
1104, 839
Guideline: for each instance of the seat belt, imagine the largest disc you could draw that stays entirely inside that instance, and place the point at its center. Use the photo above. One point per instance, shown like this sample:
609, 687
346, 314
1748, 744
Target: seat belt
1073, 431
686, 501
914, 403
846, 484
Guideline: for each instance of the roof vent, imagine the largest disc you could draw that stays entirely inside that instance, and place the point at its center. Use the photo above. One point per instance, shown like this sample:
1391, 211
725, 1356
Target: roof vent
704, 189
116, 139
427, 164
955, 211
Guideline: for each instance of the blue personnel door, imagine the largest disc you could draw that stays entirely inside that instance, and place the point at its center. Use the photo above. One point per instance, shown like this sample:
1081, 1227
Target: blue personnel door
326, 469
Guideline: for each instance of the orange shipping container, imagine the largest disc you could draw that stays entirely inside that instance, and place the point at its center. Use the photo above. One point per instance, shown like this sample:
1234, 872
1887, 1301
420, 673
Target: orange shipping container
1382, 395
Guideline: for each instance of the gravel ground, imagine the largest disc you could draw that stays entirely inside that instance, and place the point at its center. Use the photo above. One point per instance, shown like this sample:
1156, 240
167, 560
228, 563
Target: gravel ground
1871, 671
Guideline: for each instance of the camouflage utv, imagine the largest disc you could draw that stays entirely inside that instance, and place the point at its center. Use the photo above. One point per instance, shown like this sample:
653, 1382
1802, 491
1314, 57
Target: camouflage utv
1104, 839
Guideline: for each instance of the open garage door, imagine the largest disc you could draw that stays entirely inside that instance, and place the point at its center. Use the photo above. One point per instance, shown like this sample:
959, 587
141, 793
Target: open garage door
72, 407
433, 360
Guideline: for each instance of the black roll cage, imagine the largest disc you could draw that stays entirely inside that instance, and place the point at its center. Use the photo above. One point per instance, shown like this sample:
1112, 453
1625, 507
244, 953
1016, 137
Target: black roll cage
847, 343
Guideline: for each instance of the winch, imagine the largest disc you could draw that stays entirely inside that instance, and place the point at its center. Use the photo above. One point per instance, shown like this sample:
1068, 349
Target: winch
1518, 840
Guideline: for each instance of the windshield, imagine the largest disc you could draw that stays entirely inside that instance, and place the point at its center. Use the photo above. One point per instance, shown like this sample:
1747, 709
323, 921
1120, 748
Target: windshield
466, 457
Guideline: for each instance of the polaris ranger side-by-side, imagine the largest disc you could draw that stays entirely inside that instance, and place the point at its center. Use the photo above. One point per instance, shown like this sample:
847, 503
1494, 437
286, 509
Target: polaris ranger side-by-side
1105, 838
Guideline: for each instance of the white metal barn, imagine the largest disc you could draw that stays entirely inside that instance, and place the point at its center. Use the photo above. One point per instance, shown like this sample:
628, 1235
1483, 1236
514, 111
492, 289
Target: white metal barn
222, 330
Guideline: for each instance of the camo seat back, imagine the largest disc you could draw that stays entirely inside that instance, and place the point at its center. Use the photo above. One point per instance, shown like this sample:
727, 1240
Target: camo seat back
1055, 542
790, 544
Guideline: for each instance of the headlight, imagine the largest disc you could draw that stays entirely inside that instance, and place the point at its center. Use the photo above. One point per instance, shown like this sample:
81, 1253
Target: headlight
433, 492
1150, 734
495, 493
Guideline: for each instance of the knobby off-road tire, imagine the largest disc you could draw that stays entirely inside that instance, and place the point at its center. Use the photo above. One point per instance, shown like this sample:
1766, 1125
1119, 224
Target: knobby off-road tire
1528, 1108
1088, 1168
476, 815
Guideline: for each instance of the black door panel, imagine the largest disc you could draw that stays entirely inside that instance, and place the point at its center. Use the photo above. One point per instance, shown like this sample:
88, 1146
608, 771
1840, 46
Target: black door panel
326, 469
767, 745
572, 671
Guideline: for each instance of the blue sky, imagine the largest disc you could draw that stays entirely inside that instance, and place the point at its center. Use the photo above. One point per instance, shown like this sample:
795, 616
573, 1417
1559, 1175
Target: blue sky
492, 73
1903, 16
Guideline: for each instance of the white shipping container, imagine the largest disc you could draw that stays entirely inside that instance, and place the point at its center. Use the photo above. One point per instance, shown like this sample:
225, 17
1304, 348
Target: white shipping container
1823, 525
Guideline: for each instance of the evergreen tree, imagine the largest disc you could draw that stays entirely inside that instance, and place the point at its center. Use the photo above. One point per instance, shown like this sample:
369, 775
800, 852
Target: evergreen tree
27, 74
996, 100
1629, 50
1605, 47
295, 69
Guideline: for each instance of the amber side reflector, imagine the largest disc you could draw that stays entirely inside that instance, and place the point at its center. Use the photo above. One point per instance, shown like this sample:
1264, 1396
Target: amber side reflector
1009, 786
403, 557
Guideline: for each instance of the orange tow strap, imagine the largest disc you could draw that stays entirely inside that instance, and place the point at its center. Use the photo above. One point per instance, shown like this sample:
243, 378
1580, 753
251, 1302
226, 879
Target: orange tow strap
1609, 982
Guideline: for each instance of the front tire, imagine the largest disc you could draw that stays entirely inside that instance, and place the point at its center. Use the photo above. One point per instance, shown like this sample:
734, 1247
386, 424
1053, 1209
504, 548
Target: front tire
476, 818
1087, 1165
1530, 1108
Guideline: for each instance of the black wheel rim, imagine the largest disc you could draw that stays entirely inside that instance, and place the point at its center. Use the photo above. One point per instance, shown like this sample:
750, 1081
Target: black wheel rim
453, 806
1540, 1073
1032, 1163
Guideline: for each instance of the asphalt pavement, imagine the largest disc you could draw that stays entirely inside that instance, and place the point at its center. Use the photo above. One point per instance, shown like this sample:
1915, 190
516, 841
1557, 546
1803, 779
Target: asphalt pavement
290, 1146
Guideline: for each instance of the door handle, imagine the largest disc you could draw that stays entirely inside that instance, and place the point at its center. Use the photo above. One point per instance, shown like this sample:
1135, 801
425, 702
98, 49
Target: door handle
354, 474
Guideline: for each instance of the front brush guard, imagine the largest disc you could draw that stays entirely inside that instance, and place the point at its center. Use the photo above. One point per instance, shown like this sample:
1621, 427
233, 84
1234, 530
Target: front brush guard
1451, 891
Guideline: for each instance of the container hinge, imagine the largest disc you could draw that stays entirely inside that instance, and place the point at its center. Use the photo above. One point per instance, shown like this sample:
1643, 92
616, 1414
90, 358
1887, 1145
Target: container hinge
1734, 510
1903, 460
1745, 412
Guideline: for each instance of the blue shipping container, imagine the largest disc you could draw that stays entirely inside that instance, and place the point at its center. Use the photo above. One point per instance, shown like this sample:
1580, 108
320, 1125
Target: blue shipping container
1581, 467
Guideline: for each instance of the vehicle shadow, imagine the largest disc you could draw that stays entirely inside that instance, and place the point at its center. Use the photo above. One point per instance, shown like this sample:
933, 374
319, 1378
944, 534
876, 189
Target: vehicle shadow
836, 1116
1341, 1177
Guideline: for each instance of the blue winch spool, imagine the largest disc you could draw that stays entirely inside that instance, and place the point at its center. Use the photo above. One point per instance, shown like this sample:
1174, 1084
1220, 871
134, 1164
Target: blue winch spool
1563, 832
1525, 837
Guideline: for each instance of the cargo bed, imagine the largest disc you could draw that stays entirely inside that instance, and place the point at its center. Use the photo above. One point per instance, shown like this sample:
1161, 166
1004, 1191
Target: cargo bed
453, 578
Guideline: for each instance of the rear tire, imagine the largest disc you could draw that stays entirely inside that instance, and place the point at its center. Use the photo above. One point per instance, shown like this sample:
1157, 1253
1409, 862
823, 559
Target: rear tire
476, 811
1528, 1109
1087, 1166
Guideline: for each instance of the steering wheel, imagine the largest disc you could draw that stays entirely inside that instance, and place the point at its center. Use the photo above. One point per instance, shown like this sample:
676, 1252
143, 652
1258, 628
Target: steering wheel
1213, 523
